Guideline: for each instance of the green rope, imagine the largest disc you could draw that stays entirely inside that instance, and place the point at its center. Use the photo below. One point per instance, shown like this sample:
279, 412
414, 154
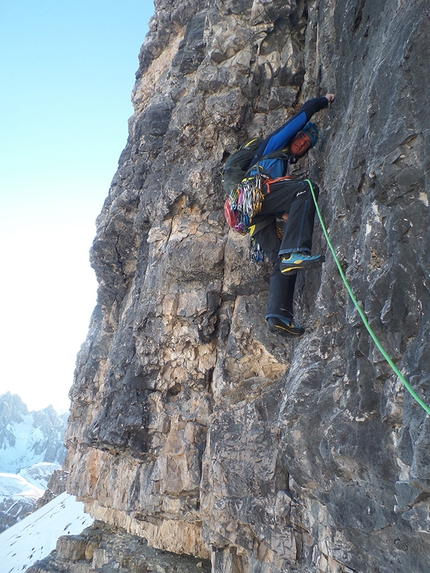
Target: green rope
361, 313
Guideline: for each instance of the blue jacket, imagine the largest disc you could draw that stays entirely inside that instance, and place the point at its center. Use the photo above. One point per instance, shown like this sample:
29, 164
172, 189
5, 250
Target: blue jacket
280, 138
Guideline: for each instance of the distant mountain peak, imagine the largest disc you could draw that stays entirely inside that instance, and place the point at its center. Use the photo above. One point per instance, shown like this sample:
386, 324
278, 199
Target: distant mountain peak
31, 448
28, 438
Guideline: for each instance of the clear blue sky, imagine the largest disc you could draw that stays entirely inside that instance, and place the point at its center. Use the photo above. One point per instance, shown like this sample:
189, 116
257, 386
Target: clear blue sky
67, 70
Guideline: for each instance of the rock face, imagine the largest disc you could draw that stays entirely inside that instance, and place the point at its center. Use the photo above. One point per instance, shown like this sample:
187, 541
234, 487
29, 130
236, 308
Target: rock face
192, 425
108, 549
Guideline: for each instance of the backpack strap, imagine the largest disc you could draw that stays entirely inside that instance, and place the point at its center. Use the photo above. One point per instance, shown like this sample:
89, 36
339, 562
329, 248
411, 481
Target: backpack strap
283, 154
279, 153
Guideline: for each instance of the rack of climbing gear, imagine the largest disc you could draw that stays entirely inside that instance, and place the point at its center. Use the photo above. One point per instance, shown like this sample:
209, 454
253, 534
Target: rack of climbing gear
244, 203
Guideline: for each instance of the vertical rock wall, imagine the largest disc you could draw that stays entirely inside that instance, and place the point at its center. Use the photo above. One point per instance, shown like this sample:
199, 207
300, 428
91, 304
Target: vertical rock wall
191, 424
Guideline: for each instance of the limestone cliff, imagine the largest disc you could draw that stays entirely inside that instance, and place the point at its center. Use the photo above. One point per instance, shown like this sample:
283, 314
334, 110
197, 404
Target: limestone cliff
192, 425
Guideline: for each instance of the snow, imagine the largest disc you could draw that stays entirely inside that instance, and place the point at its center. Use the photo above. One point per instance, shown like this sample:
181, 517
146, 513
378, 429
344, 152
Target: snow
39, 474
29, 483
28, 438
17, 485
22, 453
36, 536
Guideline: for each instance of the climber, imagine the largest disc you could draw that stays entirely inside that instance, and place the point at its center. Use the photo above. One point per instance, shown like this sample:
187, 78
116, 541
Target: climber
290, 200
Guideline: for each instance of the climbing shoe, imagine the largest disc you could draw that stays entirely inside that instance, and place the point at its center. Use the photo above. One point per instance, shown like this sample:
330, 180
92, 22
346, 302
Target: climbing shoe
284, 327
296, 261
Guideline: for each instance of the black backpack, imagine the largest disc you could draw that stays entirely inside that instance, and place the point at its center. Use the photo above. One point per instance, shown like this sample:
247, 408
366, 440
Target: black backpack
238, 164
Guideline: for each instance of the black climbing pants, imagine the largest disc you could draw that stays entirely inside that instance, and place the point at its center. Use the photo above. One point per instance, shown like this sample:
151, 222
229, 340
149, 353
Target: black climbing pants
294, 198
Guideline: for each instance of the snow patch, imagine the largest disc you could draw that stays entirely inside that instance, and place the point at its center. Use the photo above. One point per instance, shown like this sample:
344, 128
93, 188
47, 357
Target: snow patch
36, 536
17, 485
39, 474
29, 483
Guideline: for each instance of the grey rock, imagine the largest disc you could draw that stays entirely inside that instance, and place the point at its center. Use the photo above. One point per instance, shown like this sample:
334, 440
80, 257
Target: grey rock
191, 424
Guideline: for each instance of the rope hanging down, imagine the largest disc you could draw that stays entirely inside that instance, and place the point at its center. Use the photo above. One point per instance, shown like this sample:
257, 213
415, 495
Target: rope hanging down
362, 315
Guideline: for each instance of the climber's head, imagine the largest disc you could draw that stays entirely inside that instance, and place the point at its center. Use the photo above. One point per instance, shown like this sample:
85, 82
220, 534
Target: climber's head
304, 140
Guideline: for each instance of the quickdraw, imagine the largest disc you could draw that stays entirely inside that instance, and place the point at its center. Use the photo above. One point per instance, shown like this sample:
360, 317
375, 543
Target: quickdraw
257, 253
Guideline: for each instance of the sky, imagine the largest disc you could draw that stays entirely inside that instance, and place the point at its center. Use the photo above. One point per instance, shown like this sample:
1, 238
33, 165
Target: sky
67, 68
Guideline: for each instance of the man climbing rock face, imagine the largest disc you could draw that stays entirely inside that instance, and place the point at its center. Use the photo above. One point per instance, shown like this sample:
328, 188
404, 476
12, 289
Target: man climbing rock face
290, 200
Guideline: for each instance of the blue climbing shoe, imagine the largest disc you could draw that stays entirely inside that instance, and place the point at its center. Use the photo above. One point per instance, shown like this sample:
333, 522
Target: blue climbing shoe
284, 327
296, 261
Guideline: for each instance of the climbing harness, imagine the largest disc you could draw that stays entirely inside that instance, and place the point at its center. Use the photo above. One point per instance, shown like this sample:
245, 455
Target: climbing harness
269, 182
403, 380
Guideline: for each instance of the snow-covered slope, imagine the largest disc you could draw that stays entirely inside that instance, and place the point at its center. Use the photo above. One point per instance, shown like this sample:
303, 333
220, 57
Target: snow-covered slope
19, 492
36, 536
31, 448
17, 485
30, 482
38, 475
